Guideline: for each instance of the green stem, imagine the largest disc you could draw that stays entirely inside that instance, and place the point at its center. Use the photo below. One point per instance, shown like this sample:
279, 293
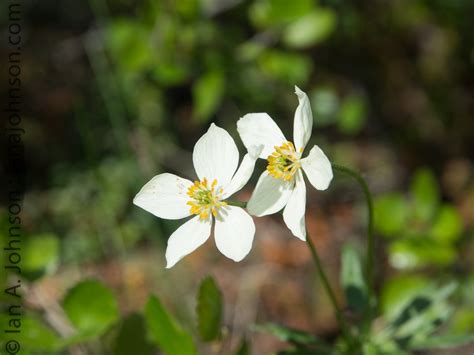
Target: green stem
236, 203
369, 267
329, 291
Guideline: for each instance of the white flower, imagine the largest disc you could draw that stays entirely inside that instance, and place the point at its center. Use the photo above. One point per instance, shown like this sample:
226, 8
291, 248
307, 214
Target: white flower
282, 184
215, 159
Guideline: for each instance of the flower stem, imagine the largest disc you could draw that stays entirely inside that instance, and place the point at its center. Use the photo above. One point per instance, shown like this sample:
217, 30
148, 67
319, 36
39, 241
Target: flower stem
236, 203
329, 291
369, 267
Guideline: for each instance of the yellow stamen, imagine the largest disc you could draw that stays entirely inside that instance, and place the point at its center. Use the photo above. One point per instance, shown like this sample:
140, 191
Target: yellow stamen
204, 200
284, 162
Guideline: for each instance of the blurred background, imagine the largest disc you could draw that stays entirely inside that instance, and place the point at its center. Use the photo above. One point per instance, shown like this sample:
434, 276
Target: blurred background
116, 92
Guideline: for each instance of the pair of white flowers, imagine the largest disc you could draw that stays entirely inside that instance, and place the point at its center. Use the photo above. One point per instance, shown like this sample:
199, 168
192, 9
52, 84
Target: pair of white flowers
216, 160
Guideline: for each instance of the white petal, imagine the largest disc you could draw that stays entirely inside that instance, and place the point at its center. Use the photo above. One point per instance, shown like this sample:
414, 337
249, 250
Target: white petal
244, 172
216, 156
303, 123
259, 129
270, 195
294, 213
234, 232
165, 196
186, 239
317, 168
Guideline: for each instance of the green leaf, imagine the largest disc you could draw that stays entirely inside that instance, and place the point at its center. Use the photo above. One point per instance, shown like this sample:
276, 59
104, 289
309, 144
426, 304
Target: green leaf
35, 335
310, 29
244, 348
425, 194
290, 335
400, 290
353, 114
325, 104
207, 95
266, 13
286, 67
448, 225
413, 253
352, 279
463, 320
209, 309
131, 337
390, 214
301, 350
422, 315
444, 341
131, 55
41, 252
91, 307
165, 331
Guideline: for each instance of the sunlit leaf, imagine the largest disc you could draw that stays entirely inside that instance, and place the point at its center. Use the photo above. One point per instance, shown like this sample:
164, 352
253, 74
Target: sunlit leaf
398, 291
131, 54
421, 314
413, 253
265, 13
444, 341
390, 214
170, 73
165, 331
353, 114
310, 29
447, 226
207, 95
35, 335
286, 67
41, 252
209, 309
91, 307
425, 192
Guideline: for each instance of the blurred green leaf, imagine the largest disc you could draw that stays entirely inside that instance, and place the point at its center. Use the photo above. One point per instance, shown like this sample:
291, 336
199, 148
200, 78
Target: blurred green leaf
325, 104
207, 95
390, 214
244, 348
290, 335
165, 331
34, 335
209, 309
447, 226
412, 253
421, 315
131, 54
352, 279
398, 291
463, 320
187, 8
265, 13
131, 337
353, 114
424, 189
170, 73
41, 252
310, 29
249, 51
91, 307
444, 341
301, 350
286, 67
